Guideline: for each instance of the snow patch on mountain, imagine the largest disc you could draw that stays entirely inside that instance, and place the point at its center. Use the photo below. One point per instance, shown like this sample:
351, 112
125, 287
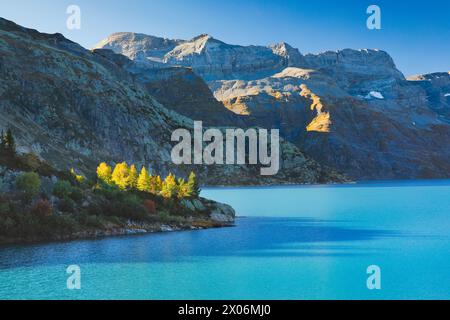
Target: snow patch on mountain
375, 94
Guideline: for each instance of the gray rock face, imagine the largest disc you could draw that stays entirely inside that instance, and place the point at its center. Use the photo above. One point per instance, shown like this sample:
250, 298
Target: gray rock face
216, 211
365, 61
213, 59
181, 90
208, 57
220, 212
78, 107
139, 47
292, 56
436, 87
8, 179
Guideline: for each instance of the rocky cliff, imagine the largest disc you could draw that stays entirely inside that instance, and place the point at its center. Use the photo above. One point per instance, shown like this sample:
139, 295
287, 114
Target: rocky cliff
75, 108
210, 58
348, 109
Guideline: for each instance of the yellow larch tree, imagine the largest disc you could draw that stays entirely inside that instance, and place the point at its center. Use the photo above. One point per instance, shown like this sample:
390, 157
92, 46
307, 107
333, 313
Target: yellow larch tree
104, 173
156, 185
169, 187
121, 176
183, 189
144, 181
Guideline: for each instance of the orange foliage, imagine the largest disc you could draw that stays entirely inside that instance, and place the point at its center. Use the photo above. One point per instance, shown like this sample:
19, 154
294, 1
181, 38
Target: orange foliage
150, 206
42, 208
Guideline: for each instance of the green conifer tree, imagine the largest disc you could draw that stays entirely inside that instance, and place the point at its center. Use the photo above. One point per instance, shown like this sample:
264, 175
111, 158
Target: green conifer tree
2, 142
9, 143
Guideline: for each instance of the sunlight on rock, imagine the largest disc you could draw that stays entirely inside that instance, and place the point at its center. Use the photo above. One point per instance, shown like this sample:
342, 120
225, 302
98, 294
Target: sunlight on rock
322, 122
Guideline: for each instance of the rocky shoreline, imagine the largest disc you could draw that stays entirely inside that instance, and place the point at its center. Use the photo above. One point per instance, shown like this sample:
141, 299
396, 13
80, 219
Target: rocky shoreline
131, 230
219, 216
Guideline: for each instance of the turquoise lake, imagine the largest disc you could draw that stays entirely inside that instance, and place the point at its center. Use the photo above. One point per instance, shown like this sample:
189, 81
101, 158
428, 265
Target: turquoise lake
305, 242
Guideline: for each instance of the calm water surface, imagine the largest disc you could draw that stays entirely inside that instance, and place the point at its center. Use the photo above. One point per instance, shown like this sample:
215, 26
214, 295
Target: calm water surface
291, 243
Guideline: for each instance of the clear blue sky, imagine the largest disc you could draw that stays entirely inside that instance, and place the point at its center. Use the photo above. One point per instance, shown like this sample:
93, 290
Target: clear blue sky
415, 33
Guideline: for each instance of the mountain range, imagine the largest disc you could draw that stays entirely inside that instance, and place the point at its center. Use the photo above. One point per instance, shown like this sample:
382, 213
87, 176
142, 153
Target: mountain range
75, 108
348, 114
351, 110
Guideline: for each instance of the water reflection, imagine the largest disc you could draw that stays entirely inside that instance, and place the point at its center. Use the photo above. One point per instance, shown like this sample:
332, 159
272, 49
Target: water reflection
262, 237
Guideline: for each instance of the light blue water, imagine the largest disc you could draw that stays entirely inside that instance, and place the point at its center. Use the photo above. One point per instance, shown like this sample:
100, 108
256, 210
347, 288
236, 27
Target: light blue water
295, 243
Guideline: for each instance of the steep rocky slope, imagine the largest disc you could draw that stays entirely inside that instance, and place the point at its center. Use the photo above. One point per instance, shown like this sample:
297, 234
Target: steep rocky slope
74, 108
349, 109
377, 128
435, 89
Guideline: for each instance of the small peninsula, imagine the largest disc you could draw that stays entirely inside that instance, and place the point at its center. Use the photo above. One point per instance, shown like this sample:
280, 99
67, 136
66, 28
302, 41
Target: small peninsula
39, 203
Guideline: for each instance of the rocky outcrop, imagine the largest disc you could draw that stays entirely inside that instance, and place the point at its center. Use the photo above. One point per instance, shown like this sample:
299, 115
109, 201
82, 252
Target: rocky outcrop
140, 47
217, 212
435, 91
213, 59
181, 90
292, 56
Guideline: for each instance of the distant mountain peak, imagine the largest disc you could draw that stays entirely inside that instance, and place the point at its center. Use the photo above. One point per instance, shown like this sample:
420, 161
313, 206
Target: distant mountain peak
203, 36
281, 44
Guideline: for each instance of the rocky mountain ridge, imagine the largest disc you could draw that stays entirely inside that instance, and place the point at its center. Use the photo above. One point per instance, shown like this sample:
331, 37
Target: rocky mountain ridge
213, 59
349, 109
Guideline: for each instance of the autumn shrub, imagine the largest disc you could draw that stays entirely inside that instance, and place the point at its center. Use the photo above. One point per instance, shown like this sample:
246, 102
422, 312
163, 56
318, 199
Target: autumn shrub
42, 208
150, 206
